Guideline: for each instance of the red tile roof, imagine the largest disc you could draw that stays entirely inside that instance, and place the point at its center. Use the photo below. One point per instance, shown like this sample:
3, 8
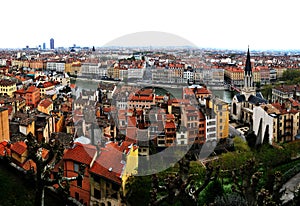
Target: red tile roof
81, 153
47, 84
32, 89
19, 147
109, 163
45, 103
170, 116
170, 125
3, 148
203, 90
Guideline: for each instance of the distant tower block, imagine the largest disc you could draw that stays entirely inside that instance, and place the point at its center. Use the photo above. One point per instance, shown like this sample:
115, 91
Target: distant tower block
51, 43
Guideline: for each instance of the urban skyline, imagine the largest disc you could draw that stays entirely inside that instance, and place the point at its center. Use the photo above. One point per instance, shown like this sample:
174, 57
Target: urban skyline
207, 24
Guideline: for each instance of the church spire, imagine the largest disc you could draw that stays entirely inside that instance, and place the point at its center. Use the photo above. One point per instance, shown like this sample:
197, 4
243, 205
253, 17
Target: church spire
248, 69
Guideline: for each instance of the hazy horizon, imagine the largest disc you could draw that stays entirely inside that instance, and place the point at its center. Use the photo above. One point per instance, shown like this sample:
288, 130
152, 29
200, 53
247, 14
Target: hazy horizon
232, 24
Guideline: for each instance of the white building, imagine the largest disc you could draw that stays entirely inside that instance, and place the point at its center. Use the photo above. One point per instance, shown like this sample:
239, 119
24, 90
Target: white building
188, 75
56, 66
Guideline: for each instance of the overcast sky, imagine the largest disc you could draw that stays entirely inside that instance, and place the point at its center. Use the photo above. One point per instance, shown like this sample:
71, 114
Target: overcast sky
230, 24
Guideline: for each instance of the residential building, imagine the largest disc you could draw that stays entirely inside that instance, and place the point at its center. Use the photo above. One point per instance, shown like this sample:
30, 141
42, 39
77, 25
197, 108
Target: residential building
274, 123
45, 106
32, 96
234, 76
142, 98
58, 66
110, 171
7, 87
222, 117
4, 125
284, 92
46, 88
79, 154
19, 152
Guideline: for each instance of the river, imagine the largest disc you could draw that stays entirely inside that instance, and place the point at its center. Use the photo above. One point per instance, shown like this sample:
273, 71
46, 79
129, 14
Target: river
175, 92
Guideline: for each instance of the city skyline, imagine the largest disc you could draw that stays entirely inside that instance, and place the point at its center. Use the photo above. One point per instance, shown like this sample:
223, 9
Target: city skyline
206, 24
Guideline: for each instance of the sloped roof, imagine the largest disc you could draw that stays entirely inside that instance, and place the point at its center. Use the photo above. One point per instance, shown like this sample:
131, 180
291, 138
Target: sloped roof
81, 153
109, 163
240, 97
19, 147
257, 100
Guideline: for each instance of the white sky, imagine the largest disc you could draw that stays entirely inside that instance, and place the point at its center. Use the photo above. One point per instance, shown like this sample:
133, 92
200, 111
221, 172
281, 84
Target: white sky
231, 24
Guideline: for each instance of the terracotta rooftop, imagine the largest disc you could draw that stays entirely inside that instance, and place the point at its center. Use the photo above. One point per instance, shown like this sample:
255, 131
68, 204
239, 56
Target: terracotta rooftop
109, 163
32, 89
19, 147
81, 153
45, 103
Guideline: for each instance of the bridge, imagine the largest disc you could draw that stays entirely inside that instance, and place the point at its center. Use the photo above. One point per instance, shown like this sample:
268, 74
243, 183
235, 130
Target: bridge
233, 88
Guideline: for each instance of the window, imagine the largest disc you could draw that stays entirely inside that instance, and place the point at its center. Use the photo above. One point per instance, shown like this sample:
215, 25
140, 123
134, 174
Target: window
79, 182
96, 178
76, 167
97, 194
76, 195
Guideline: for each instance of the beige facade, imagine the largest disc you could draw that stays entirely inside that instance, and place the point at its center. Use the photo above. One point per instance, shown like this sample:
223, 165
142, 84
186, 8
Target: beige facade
4, 125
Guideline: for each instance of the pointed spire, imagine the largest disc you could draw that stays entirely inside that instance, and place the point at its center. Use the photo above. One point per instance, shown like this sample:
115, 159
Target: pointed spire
248, 69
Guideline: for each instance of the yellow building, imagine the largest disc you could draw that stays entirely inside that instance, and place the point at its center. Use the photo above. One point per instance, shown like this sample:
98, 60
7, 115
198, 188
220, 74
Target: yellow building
68, 67
256, 75
17, 63
76, 68
7, 87
19, 152
58, 120
4, 125
45, 106
222, 115
131, 166
46, 88
234, 75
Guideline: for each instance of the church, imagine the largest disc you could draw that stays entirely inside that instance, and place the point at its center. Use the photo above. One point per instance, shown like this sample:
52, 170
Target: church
243, 103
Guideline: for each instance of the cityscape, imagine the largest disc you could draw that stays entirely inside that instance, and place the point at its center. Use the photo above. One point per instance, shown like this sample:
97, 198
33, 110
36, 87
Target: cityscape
149, 125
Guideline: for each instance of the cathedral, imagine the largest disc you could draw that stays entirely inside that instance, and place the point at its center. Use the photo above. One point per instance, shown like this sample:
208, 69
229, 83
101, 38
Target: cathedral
243, 103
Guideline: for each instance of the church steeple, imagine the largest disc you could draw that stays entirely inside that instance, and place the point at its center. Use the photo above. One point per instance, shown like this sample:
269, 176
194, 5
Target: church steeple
248, 69
248, 78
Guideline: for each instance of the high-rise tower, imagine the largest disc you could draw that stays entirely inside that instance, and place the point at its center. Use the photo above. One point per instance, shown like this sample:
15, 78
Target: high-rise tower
51, 43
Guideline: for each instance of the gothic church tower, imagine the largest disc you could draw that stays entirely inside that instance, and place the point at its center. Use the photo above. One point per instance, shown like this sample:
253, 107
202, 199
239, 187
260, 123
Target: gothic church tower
248, 88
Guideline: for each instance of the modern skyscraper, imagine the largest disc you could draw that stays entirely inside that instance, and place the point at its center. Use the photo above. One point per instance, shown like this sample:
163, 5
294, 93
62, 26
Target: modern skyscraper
44, 46
51, 43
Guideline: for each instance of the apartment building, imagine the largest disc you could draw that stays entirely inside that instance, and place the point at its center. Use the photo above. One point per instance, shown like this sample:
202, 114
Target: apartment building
7, 87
